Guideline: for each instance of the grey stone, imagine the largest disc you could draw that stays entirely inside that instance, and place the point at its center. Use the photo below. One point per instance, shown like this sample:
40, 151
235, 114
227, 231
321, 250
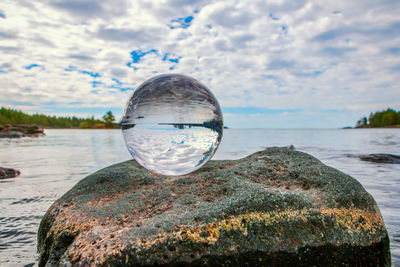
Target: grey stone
276, 207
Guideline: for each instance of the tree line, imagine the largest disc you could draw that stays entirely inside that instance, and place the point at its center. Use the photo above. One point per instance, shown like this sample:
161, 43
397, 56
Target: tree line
12, 116
385, 118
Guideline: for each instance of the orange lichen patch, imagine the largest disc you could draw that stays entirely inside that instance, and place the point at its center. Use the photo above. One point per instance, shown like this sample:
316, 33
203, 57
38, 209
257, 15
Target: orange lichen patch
348, 219
355, 219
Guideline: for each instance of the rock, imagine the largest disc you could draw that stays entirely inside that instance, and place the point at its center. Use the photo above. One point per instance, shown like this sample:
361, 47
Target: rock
11, 134
275, 207
381, 158
20, 130
8, 173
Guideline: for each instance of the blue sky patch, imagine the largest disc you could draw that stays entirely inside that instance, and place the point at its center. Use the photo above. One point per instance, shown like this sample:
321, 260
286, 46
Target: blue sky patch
183, 22
255, 110
2, 15
123, 89
396, 68
394, 50
92, 74
168, 57
22, 103
116, 81
95, 83
32, 66
75, 103
273, 17
70, 68
119, 85
137, 55
130, 65
3, 71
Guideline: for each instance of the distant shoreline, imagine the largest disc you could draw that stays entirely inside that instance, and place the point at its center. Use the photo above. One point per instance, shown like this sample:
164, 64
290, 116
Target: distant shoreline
116, 128
370, 127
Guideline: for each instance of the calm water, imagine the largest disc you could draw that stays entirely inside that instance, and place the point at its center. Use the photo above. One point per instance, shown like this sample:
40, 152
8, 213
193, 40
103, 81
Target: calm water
51, 165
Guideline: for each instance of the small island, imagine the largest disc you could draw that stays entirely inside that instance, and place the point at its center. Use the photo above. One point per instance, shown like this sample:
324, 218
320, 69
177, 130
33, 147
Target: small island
389, 118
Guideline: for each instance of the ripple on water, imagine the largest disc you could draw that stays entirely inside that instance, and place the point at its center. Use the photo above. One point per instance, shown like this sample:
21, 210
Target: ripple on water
66, 156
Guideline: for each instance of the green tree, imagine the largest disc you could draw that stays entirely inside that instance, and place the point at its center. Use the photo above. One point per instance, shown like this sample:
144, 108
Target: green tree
385, 118
362, 122
12, 116
109, 119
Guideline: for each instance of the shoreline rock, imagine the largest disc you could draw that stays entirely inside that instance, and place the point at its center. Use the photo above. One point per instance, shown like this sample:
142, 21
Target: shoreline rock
381, 158
275, 207
8, 173
20, 130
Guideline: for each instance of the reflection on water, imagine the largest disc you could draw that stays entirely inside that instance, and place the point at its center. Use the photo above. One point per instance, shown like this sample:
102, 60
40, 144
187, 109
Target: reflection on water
51, 165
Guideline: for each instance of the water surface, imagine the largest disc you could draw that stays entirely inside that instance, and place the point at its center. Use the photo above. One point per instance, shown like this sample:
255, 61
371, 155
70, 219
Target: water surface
51, 165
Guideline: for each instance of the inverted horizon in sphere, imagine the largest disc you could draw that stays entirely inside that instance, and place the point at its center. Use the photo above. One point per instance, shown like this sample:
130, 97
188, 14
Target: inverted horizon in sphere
172, 124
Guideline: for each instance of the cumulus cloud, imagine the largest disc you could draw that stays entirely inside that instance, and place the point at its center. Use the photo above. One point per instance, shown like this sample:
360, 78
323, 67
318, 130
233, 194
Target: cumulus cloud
89, 9
123, 35
268, 59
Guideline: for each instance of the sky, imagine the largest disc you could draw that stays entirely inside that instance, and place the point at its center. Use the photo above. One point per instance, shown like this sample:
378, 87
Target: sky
271, 64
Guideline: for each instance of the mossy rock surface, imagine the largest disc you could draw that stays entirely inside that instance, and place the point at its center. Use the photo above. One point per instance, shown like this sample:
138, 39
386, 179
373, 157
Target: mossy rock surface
275, 207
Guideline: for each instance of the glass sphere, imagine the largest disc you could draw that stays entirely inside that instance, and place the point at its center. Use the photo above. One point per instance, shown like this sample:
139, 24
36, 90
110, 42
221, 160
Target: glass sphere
172, 124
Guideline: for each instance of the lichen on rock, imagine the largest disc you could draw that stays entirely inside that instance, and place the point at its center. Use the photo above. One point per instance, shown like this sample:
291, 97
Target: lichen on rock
275, 207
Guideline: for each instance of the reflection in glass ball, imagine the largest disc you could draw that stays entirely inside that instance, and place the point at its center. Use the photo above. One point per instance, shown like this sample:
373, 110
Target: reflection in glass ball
172, 125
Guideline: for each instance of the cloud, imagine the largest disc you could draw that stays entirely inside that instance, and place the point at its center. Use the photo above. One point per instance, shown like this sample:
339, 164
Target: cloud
81, 57
350, 31
298, 58
79, 7
227, 15
280, 64
89, 9
118, 72
337, 51
9, 49
7, 35
123, 35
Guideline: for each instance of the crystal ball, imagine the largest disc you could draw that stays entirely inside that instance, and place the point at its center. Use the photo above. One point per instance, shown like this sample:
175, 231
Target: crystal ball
172, 124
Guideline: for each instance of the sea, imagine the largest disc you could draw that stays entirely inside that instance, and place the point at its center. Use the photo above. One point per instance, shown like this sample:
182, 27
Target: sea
52, 164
